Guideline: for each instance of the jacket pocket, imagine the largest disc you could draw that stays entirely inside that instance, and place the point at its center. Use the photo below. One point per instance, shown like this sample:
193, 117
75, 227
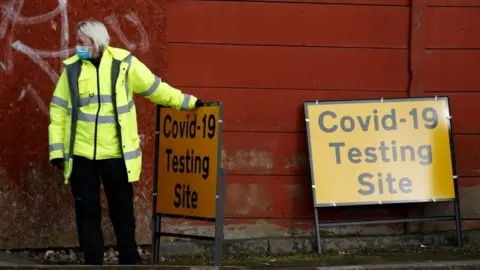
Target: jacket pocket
86, 90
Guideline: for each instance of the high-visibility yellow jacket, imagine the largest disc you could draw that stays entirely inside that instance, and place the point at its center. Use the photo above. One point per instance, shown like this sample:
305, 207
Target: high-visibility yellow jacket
88, 112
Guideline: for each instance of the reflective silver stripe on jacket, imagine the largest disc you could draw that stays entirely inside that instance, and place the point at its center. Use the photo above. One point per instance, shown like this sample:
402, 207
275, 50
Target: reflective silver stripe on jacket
55, 147
152, 88
186, 101
127, 60
90, 100
126, 108
132, 154
59, 101
103, 119
94, 99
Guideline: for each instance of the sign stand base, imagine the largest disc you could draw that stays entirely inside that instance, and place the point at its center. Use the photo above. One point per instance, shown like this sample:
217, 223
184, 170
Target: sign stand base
455, 217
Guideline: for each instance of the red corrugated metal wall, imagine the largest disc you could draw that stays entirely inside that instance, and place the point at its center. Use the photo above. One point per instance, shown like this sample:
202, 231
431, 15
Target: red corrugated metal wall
445, 61
451, 66
262, 59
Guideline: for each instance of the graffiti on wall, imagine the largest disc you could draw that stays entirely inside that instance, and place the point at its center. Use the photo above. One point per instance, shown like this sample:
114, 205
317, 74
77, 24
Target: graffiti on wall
11, 16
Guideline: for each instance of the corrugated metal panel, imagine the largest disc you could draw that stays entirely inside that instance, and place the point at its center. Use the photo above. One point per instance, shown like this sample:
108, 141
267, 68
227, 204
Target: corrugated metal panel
263, 59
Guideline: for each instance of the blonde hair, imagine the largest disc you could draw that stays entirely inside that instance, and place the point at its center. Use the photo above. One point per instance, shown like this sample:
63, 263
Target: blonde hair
97, 31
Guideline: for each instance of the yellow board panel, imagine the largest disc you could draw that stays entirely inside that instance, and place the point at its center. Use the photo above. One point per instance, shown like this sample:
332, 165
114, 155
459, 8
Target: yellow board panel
188, 161
372, 152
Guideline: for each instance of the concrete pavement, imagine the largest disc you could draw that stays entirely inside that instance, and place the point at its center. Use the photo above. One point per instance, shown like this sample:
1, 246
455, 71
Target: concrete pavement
14, 261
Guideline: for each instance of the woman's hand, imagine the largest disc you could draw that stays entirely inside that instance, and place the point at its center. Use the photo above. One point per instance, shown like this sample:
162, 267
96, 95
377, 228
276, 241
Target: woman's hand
58, 162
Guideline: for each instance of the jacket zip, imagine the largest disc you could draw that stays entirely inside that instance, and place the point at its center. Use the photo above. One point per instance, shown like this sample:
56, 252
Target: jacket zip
96, 117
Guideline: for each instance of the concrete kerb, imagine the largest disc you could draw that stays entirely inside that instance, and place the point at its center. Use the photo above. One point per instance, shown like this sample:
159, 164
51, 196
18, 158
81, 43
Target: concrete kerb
299, 245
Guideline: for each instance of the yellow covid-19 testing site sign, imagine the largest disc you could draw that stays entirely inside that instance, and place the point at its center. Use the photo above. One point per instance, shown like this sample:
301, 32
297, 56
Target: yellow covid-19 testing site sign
189, 180
380, 151
188, 159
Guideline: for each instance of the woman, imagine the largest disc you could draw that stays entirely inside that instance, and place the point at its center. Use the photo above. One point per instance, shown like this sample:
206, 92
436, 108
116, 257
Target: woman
93, 133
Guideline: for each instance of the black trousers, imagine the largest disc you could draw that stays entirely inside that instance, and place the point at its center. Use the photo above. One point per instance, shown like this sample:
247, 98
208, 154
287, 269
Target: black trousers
85, 184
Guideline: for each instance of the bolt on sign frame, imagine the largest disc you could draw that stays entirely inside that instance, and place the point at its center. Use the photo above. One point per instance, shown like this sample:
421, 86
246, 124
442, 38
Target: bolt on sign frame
385, 151
189, 182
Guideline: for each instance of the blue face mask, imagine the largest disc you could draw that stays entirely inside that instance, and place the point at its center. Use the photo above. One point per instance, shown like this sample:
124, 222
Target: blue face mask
83, 52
